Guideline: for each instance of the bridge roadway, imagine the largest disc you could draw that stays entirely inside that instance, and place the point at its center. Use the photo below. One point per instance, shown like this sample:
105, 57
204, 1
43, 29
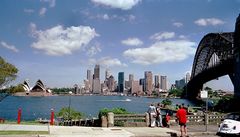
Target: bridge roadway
63, 131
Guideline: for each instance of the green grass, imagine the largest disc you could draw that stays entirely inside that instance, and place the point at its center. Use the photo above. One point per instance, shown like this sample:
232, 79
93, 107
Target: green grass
23, 132
23, 122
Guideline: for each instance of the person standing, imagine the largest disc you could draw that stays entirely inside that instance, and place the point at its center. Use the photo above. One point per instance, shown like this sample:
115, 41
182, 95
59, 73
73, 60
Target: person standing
182, 119
152, 115
159, 115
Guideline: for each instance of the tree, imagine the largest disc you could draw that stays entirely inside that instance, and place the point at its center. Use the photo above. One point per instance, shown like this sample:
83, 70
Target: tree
176, 92
69, 113
167, 102
8, 72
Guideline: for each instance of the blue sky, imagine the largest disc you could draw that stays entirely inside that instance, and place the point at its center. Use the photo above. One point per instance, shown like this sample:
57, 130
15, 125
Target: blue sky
58, 40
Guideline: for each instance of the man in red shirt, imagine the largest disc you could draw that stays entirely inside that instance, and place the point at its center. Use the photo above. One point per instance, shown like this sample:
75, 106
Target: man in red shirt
182, 119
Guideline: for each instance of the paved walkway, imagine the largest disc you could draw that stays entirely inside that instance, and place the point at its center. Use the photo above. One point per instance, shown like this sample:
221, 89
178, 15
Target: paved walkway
63, 131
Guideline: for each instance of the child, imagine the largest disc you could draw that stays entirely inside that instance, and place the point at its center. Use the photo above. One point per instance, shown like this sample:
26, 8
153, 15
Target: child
167, 120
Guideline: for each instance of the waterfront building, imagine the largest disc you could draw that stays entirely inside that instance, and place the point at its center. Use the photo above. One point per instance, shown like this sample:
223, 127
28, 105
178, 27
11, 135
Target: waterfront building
38, 89
136, 88
96, 80
107, 74
89, 78
97, 72
121, 82
96, 86
180, 83
157, 81
148, 82
111, 84
142, 83
164, 83
188, 76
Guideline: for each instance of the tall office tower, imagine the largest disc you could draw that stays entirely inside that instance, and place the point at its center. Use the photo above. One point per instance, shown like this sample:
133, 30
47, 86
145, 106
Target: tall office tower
148, 82
157, 81
142, 82
131, 77
97, 72
121, 82
107, 73
188, 76
164, 83
89, 78
96, 86
111, 84
96, 80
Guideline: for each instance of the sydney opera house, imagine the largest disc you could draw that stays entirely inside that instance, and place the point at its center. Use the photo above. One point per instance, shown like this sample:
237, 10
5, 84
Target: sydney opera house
38, 90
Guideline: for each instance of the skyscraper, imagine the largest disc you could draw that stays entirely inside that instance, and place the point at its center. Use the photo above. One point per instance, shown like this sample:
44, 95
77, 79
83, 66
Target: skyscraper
96, 80
157, 81
89, 78
97, 72
164, 83
107, 73
188, 76
121, 82
148, 82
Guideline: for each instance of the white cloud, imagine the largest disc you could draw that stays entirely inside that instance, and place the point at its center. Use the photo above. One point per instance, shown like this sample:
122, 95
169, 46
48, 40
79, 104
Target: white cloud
107, 62
121, 4
105, 17
132, 42
42, 11
58, 41
52, 3
161, 52
93, 50
10, 47
208, 21
162, 35
177, 24
28, 11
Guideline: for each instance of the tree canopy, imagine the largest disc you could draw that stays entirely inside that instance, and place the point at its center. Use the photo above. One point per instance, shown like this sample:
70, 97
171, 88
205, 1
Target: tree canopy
8, 72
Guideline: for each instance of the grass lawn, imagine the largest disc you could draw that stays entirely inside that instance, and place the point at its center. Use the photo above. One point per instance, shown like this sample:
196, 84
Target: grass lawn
23, 132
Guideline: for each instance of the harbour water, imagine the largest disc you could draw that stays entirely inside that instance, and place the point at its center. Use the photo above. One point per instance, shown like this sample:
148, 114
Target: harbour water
40, 107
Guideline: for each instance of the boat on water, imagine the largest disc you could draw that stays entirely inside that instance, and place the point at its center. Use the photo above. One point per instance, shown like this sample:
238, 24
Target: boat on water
128, 99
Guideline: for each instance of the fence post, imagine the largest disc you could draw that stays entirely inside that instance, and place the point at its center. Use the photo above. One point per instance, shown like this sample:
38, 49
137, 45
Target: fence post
147, 119
110, 118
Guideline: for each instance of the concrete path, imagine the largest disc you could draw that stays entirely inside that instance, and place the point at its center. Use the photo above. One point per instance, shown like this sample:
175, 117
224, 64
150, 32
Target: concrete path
16, 127
74, 131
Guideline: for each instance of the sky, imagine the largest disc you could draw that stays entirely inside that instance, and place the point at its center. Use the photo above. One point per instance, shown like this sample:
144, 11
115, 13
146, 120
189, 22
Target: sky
58, 40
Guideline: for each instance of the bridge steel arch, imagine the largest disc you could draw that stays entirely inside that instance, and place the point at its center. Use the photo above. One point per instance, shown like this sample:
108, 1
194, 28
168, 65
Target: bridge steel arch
219, 44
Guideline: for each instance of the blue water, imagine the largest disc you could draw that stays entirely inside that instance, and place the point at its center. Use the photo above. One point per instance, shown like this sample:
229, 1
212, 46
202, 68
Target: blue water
36, 107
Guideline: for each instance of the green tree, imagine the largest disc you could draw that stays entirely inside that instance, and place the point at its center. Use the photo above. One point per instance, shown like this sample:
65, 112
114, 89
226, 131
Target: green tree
69, 113
176, 92
15, 89
8, 72
166, 102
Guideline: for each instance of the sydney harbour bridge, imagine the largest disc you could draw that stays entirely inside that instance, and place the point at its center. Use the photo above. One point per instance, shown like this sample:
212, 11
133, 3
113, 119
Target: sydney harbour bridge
218, 54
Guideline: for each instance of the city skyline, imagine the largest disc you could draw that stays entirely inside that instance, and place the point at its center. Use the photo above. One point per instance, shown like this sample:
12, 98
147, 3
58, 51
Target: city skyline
58, 41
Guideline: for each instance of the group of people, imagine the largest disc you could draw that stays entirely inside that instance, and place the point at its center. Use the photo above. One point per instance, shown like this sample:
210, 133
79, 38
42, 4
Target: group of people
156, 118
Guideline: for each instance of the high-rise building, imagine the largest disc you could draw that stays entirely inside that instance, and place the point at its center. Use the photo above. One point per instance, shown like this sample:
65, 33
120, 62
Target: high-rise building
111, 84
107, 73
164, 83
89, 78
131, 77
96, 80
142, 82
148, 82
157, 81
188, 76
121, 82
97, 72
96, 86
180, 83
